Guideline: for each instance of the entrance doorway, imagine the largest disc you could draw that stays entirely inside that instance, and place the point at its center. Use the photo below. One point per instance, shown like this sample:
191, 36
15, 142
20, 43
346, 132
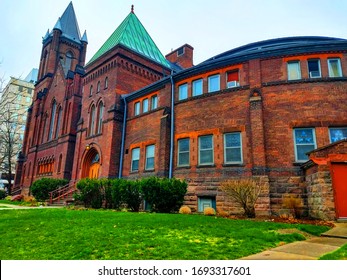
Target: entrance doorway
339, 177
91, 165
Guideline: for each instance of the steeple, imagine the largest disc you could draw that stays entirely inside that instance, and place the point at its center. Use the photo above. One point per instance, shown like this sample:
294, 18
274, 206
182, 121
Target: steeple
84, 37
132, 34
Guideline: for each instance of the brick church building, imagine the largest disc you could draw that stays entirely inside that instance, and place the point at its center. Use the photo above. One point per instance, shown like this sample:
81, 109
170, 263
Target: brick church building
274, 110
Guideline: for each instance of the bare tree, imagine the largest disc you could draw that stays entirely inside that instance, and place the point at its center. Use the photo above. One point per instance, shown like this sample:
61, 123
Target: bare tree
11, 126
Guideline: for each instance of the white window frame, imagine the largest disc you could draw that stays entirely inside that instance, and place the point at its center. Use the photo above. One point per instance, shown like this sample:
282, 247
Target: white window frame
319, 69
137, 108
154, 102
179, 152
183, 91
209, 149
295, 144
233, 147
135, 157
337, 128
194, 87
145, 107
210, 78
298, 70
149, 155
331, 74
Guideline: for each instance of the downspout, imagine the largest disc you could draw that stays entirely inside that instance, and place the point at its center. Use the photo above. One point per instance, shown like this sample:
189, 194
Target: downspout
123, 139
172, 125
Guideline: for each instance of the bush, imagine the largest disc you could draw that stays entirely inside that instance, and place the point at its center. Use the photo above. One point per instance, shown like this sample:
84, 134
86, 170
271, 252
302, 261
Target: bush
116, 193
245, 192
209, 211
185, 210
41, 188
2, 194
106, 192
90, 193
164, 195
294, 204
131, 194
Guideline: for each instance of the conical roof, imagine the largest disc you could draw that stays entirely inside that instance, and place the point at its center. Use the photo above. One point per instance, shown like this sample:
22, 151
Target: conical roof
132, 34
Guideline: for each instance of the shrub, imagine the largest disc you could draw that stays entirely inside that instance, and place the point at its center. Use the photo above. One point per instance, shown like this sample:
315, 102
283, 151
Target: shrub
90, 193
2, 194
209, 211
116, 193
185, 210
245, 192
131, 194
164, 195
222, 213
41, 188
294, 204
106, 192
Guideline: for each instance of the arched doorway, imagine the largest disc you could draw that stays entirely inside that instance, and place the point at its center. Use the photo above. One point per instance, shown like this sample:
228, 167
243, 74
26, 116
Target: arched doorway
91, 165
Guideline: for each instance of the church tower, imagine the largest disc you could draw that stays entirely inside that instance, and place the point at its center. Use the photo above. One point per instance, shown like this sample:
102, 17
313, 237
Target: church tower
50, 138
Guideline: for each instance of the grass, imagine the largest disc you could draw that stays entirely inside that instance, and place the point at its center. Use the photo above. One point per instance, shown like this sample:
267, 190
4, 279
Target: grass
339, 254
63, 234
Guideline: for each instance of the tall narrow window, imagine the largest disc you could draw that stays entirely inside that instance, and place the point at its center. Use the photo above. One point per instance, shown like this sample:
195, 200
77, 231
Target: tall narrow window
100, 116
60, 113
337, 134
214, 83
135, 159
197, 87
154, 102
183, 152
206, 150
145, 105
305, 141
98, 87
293, 68
137, 108
51, 126
150, 152
334, 66
106, 82
183, 92
232, 148
314, 68
44, 128
91, 90
233, 79
59, 163
92, 121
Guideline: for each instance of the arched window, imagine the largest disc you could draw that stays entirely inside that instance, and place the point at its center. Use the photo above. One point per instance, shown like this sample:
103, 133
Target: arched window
92, 121
100, 115
51, 126
106, 82
59, 163
98, 87
44, 128
57, 129
91, 90
68, 61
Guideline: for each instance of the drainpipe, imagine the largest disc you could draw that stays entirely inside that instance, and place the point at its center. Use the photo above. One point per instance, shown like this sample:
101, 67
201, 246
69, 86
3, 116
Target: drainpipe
123, 139
172, 125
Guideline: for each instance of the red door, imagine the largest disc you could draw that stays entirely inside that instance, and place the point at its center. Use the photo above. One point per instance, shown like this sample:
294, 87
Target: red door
339, 171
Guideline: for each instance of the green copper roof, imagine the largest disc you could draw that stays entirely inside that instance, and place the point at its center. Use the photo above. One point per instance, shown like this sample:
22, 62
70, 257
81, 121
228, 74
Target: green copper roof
131, 33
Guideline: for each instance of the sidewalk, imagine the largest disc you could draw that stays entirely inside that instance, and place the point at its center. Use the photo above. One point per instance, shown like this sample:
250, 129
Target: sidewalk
4, 206
310, 249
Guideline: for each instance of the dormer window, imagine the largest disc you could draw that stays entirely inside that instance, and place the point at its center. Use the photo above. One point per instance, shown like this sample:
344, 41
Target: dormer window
180, 51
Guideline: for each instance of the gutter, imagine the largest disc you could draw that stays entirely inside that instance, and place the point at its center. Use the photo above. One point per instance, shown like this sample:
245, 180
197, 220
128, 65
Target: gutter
123, 139
172, 125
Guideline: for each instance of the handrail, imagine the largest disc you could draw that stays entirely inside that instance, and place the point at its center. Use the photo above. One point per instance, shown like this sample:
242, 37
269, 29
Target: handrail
61, 192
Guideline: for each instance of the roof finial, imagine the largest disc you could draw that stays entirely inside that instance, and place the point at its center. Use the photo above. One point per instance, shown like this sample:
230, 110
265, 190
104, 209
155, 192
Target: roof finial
132, 8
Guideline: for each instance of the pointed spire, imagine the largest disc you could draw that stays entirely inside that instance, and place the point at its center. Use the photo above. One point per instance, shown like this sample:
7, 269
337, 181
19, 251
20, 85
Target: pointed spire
58, 25
84, 37
132, 9
46, 36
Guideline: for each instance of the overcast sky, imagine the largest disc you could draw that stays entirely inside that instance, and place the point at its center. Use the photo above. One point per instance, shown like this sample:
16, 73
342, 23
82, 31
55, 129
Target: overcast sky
210, 26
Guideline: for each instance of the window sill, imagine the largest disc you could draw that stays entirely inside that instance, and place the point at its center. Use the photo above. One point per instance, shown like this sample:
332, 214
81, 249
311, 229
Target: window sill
148, 170
134, 172
233, 165
299, 163
206, 166
183, 167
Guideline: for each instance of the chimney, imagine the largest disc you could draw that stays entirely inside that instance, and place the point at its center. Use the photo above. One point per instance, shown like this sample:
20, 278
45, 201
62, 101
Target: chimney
183, 56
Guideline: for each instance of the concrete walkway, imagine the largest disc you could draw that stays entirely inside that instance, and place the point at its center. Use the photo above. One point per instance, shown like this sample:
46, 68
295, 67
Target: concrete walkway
310, 249
4, 206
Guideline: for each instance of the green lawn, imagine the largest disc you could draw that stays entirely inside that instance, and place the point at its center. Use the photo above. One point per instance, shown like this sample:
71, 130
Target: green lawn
99, 234
340, 254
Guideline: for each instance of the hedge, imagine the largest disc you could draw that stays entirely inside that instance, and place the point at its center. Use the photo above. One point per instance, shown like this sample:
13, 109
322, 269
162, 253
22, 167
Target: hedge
41, 188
